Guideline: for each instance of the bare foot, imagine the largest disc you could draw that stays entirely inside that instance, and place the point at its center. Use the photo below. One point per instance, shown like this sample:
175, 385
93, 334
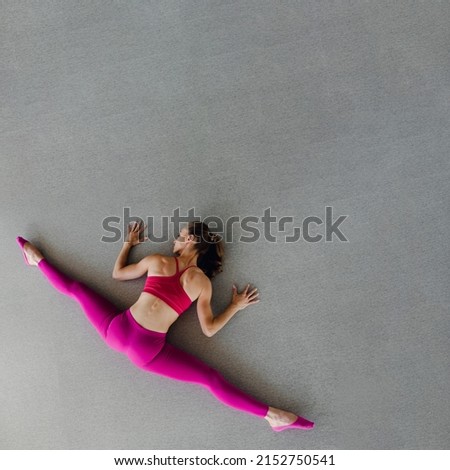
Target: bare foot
32, 253
277, 417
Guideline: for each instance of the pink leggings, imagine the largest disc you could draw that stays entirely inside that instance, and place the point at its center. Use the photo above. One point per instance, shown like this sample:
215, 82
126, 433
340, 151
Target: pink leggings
148, 349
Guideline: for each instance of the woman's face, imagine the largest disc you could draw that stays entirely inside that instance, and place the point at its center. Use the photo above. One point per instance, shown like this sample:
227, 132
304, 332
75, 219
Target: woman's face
180, 239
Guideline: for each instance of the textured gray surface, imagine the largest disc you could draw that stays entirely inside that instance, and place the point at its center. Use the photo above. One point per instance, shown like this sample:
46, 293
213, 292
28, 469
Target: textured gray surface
230, 107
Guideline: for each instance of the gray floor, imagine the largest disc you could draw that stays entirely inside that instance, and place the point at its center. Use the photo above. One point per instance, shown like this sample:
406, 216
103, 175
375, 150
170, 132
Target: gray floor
230, 108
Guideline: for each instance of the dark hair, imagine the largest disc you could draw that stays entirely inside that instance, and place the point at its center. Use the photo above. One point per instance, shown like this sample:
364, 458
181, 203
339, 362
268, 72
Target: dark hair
210, 248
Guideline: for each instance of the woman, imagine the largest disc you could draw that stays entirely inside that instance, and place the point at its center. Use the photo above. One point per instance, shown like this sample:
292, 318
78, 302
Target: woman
170, 288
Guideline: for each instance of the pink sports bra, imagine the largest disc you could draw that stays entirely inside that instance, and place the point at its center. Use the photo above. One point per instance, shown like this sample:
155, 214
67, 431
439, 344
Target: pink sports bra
169, 289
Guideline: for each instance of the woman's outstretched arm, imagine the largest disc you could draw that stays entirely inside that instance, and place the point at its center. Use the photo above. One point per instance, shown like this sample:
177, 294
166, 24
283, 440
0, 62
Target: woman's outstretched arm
210, 324
121, 260
133, 271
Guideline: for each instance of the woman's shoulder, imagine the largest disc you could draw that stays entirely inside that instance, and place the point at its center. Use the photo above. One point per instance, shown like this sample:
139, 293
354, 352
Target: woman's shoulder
164, 260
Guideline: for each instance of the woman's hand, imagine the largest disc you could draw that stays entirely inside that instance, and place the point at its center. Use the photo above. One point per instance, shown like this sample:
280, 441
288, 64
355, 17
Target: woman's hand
134, 231
245, 298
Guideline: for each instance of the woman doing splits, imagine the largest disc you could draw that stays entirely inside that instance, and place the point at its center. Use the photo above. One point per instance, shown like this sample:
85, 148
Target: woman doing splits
172, 284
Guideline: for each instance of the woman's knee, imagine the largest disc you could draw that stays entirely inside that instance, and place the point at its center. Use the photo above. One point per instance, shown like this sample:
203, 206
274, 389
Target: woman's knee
75, 288
215, 378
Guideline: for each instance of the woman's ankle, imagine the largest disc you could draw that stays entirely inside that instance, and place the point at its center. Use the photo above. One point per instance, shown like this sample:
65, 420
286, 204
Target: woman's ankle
271, 413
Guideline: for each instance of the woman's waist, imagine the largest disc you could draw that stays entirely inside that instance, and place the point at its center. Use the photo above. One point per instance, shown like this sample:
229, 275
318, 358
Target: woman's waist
153, 313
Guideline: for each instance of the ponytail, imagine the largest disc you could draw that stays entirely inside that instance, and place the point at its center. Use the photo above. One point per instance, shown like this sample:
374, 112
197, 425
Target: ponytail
210, 248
